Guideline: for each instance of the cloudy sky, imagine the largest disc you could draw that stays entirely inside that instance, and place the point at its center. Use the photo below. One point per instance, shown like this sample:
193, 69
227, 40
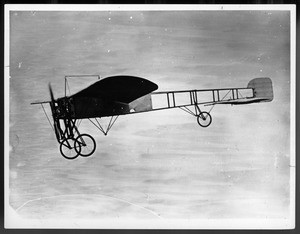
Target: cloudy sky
158, 165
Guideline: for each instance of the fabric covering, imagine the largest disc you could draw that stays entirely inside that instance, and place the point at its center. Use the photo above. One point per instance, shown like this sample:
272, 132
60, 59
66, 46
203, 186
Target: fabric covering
123, 89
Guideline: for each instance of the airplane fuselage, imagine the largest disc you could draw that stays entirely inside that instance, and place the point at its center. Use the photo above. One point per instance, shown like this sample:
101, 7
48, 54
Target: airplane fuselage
88, 107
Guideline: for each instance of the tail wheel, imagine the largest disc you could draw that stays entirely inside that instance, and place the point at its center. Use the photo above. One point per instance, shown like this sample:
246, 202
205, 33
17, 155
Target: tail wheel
204, 119
85, 144
68, 148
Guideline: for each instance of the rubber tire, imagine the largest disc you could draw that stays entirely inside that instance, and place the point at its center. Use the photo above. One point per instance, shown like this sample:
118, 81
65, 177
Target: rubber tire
208, 117
77, 141
72, 144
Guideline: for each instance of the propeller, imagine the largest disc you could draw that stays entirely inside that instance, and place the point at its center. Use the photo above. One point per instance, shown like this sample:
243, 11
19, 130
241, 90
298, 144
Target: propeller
56, 124
51, 94
52, 105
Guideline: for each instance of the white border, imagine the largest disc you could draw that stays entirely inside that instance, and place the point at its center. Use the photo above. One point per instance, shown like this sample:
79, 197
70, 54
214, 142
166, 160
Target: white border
161, 224
293, 116
154, 224
153, 7
6, 113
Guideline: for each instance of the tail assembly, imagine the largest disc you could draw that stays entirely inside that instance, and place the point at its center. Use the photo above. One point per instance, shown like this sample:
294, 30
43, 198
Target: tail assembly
262, 92
262, 89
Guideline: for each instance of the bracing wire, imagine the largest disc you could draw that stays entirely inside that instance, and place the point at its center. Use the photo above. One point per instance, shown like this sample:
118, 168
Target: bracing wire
68, 87
226, 95
100, 128
240, 94
220, 101
187, 110
109, 126
47, 116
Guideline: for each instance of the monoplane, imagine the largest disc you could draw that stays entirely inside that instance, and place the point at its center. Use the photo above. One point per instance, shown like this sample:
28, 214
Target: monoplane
122, 95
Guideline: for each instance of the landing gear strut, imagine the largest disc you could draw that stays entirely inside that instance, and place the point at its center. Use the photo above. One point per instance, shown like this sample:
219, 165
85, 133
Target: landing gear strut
204, 118
72, 143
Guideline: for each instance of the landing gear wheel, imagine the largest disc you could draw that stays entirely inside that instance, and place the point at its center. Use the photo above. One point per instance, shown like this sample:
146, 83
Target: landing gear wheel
204, 119
85, 144
68, 150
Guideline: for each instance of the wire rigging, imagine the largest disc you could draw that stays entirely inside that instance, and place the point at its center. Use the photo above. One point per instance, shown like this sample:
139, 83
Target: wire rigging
240, 93
47, 116
68, 87
220, 101
109, 126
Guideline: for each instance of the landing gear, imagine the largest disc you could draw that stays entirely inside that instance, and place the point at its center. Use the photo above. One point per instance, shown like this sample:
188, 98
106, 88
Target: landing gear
68, 148
85, 145
204, 119
72, 143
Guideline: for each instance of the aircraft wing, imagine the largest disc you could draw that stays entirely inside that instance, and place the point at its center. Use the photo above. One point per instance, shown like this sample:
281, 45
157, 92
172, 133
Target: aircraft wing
124, 89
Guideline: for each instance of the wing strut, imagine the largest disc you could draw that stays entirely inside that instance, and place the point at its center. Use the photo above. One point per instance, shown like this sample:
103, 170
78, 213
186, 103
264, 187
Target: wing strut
100, 127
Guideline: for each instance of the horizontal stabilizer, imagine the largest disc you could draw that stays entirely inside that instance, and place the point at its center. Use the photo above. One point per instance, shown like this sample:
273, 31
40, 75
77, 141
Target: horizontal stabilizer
241, 101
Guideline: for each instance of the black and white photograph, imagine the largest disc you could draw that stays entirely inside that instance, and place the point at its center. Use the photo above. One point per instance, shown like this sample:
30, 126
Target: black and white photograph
150, 116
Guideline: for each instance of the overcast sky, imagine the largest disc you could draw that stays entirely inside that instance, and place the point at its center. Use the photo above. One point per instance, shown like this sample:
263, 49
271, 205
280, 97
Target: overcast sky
176, 50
